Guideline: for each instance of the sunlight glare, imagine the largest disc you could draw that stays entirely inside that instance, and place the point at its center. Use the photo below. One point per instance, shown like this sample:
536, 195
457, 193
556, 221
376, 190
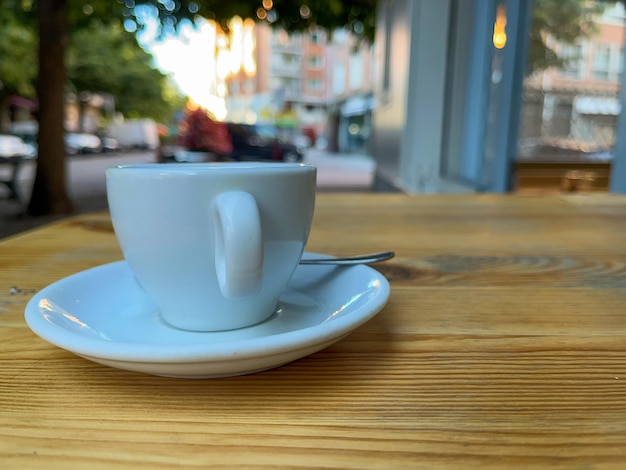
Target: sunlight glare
200, 59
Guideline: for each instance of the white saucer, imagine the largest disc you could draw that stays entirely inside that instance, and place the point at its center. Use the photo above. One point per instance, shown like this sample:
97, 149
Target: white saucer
103, 315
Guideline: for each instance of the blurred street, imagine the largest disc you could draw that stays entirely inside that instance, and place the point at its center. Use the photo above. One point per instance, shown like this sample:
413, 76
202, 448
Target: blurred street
336, 172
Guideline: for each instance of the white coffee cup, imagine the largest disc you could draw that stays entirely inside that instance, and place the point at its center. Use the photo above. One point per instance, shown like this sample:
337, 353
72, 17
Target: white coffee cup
213, 244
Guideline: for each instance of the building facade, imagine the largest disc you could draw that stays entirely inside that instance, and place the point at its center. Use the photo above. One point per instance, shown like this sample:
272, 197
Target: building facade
575, 108
312, 82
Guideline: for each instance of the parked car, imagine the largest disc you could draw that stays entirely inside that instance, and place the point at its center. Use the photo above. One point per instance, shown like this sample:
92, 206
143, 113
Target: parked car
76, 143
13, 146
109, 144
250, 142
301, 141
260, 142
135, 133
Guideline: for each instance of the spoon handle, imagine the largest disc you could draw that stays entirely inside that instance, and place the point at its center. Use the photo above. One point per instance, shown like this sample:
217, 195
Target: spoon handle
360, 259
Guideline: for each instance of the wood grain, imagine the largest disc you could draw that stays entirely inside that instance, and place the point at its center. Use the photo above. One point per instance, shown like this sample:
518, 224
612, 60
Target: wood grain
503, 345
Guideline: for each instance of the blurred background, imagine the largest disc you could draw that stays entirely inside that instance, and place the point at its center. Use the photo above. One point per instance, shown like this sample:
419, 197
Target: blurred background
383, 95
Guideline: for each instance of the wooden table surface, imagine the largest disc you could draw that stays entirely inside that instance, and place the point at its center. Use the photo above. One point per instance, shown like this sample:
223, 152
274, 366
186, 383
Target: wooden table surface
503, 345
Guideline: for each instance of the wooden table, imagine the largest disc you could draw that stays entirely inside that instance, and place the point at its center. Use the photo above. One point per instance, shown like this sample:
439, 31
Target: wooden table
503, 345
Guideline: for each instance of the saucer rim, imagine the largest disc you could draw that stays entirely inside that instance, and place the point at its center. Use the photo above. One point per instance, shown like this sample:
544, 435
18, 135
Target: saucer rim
232, 350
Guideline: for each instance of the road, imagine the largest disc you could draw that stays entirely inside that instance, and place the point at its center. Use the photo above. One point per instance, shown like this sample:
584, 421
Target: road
87, 183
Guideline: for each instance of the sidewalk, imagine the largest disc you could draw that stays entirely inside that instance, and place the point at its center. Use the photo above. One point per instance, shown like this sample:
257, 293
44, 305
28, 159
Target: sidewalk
86, 187
87, 184
341, 171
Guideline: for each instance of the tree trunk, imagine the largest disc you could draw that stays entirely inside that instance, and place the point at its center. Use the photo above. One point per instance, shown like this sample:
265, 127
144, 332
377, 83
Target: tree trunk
49, 194
4, 104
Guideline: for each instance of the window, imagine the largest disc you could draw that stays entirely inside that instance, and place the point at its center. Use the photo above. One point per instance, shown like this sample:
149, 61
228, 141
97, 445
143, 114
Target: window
574, 61
483, 85
292, 85
317, 37
285, 63
608, 62
315, 62
314, 84
602, 62
339, 78
340, 36
356, 71
290, 60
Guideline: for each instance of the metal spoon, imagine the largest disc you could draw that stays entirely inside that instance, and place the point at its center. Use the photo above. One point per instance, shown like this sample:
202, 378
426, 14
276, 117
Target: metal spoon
359, 259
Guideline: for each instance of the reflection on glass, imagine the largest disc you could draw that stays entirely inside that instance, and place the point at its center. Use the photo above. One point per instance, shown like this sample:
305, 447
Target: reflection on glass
499, 28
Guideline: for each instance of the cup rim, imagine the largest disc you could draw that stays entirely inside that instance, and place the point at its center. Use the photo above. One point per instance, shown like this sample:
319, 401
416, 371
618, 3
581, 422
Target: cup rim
208, 167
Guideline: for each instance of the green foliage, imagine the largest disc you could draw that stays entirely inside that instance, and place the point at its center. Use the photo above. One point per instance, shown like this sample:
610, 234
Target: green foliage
105, 58
293, 15
565, 22
18, 64
20, 11
359, 16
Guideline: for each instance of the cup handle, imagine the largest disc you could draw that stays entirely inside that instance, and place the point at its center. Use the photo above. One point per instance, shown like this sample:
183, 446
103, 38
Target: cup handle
238, 244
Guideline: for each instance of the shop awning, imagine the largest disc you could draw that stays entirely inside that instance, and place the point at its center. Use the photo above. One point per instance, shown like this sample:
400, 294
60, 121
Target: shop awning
21, 102
597, 105
357, 105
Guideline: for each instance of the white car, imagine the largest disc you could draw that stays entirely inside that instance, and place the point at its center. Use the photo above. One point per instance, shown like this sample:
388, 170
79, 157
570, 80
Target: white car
13, 146
82, 143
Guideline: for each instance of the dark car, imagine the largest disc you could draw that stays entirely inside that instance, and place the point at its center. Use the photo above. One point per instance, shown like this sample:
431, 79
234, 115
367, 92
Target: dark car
260, 142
